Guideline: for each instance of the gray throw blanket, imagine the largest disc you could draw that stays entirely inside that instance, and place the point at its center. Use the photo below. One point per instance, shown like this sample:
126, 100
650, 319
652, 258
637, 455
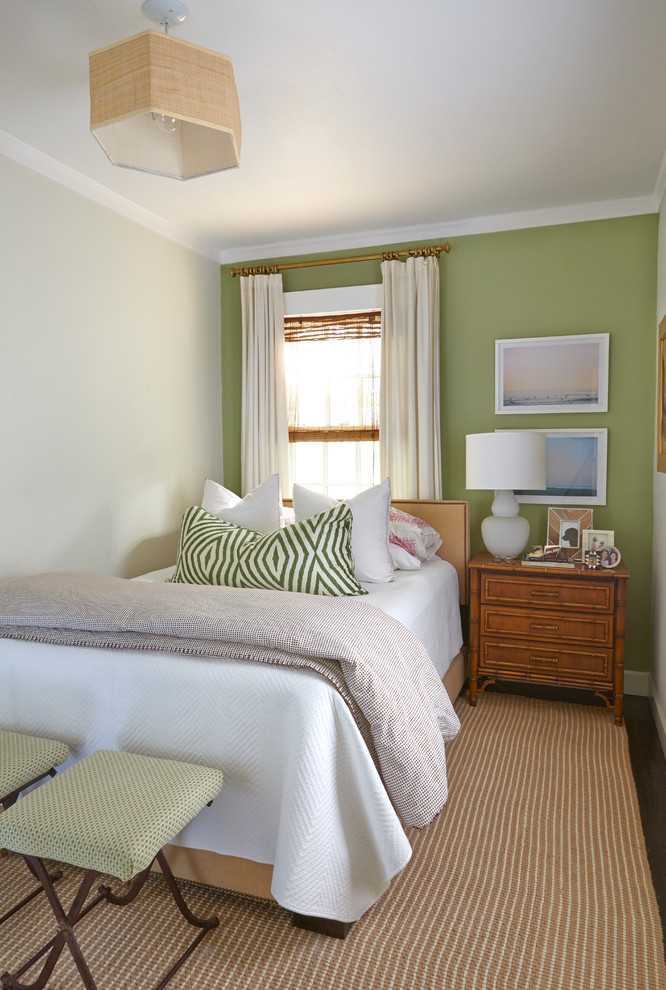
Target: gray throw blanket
382, 670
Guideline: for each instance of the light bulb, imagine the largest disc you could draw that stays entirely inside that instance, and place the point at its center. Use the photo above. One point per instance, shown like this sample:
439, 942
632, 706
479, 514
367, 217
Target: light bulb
165, 123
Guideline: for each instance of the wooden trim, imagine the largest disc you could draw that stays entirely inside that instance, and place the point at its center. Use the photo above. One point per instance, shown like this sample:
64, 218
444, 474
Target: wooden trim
661, 398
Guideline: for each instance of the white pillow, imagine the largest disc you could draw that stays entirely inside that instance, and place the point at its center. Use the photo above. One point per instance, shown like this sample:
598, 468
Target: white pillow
402, 560
370, 520
260, 510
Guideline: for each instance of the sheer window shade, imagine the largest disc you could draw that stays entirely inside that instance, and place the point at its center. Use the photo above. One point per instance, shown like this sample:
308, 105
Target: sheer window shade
333, 375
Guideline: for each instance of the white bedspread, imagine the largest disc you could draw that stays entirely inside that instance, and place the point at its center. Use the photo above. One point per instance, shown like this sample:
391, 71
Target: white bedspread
300, 788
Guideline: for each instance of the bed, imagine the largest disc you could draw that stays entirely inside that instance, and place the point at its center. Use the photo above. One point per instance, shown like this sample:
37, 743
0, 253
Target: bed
303, 816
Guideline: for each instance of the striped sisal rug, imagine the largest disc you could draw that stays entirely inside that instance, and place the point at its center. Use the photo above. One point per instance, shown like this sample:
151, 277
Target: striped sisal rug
535, 876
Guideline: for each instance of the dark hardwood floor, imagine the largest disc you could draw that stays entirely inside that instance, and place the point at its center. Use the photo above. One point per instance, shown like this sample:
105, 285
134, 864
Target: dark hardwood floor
649, 768
647, 763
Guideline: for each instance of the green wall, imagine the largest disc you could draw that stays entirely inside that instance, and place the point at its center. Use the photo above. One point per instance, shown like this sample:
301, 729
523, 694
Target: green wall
588, 277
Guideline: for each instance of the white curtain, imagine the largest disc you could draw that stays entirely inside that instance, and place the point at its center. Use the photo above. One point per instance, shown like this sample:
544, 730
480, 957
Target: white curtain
409, 424
265, 434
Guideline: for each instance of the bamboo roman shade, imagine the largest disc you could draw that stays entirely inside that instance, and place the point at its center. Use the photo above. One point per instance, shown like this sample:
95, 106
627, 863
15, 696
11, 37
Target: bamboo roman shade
333, 380
343, 326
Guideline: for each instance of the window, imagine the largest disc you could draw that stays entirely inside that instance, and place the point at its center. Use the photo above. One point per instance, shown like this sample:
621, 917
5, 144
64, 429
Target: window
332, 365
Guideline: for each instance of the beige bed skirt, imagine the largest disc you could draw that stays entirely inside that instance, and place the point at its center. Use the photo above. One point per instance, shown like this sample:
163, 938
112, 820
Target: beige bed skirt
244, 875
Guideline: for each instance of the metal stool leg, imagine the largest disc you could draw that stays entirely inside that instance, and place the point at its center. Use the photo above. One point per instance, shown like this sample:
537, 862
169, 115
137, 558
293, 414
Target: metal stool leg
65, 934
66, 923
7, 801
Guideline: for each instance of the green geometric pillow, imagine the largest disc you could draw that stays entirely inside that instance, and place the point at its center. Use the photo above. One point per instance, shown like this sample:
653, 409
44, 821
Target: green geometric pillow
313, 556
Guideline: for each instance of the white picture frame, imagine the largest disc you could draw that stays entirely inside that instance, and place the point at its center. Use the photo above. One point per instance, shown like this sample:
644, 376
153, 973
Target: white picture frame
596, 539
575, 468
567, 374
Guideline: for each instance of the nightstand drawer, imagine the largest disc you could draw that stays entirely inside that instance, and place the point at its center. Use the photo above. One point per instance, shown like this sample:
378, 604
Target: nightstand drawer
597, 630
545, 662
542, 592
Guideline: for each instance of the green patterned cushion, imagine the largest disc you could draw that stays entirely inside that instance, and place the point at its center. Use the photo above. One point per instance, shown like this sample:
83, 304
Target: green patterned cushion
23, 758
110, 812
312, 556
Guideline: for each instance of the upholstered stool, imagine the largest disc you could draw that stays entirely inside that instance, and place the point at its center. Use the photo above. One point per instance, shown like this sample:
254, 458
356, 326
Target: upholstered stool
24, 761
111, 813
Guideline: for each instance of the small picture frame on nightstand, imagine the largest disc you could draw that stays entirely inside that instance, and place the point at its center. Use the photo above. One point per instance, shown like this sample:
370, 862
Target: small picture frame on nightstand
595, 539
567, 528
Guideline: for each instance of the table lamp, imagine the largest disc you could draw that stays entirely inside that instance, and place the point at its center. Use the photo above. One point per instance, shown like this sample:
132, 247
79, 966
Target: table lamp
502, 462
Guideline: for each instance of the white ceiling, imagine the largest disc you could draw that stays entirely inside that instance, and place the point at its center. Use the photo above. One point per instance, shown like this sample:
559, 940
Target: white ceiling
366, 122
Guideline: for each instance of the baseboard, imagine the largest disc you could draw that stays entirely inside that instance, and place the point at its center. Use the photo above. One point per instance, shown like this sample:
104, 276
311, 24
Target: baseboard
659, 716
637, 682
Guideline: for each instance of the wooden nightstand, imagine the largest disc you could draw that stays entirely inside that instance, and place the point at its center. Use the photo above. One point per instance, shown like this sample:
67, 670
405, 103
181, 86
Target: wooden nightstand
549, 625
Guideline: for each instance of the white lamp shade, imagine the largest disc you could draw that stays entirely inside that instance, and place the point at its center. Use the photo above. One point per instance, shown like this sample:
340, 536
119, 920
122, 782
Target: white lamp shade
506, 460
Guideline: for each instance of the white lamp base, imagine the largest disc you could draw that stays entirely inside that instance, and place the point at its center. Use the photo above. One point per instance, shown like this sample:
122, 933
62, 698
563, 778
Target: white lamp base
505, 533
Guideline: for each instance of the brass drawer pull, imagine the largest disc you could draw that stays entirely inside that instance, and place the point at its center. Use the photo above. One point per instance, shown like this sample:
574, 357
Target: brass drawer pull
537, 625
544, 594
543, 659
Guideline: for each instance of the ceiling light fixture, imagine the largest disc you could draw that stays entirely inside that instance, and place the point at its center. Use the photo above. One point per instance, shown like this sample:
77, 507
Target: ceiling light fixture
162, 105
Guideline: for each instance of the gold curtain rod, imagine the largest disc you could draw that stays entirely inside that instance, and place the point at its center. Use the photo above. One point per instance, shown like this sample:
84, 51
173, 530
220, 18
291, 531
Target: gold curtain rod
434, 251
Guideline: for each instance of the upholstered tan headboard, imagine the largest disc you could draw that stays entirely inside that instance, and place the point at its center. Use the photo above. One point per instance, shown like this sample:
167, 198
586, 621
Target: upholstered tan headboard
451, 520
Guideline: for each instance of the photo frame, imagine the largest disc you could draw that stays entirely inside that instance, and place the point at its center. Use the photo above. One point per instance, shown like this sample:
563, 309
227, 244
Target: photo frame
610, 557
575, 468
566, 528
661, 407
595, 539
552, 374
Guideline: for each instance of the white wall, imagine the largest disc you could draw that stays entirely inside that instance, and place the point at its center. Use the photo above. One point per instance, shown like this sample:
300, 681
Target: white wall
110, 392
658, 673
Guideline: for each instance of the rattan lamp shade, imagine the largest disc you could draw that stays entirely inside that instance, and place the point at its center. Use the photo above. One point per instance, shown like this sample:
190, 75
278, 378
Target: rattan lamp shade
153, 74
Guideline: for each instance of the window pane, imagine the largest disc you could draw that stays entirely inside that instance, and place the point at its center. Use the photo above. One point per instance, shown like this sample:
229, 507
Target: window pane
341, 464
333, 384
308, 464
338, 469
352, 467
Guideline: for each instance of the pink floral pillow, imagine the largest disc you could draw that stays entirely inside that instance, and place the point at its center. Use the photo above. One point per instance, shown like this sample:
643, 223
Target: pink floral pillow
413, 534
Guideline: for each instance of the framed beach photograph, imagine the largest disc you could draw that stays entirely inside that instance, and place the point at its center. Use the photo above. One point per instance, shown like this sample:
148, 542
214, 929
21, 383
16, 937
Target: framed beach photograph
575, 468
552, 374
661, 407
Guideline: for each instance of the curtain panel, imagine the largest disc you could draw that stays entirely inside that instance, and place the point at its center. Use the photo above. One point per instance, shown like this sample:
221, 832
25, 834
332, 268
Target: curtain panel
409, 421
265, 434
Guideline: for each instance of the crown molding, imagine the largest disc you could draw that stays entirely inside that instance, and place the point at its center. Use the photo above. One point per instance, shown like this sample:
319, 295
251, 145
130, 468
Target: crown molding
660, 184
602, 210
36, 160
